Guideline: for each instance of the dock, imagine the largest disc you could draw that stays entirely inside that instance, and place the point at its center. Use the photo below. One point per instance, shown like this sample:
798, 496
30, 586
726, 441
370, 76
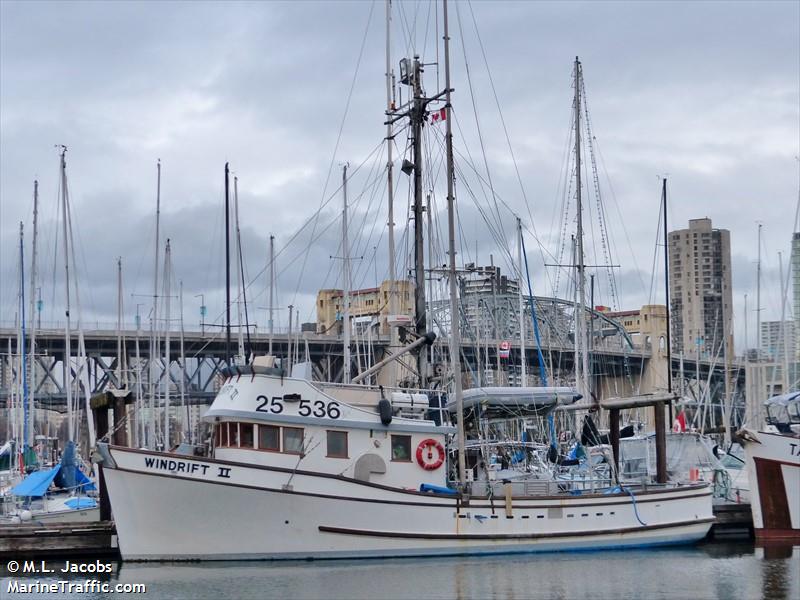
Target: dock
58, 539
733, 521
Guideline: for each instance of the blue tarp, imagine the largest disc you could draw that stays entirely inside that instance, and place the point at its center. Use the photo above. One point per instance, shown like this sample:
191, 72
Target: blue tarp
35, 485
83, 481
80, 503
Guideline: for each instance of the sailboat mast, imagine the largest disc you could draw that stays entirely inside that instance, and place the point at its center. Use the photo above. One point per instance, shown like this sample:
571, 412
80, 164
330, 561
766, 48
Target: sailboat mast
167, 327
758, 299
239, 282
271, 290
154, 350
455, 325
580, 324
119, 323
345, 285
227, 268
393, 340
184, 408
23, 357
417, 118
67, 333
33, 277
785, 363
666, 291
523, 366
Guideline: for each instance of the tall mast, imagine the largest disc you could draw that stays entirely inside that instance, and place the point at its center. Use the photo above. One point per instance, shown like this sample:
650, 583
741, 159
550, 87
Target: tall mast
67, 334
417, 118
154, 350
758, 300
239, 282
167, 327
33, 276
227, 268
523, 366
23, 358
580, 324
271, 289
345, 285
184, 408
666, 291
785, 349
455, 330
119, 323
393, 341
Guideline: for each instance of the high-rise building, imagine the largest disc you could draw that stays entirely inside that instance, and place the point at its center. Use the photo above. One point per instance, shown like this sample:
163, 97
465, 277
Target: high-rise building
796, 289
701, 304
771, 343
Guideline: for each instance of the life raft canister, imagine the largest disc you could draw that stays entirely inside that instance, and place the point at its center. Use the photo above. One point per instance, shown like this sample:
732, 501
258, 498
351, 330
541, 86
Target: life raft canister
425, 457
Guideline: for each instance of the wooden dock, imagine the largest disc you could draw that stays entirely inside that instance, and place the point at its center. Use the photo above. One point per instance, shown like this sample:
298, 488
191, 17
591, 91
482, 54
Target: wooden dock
733, 520
64, 539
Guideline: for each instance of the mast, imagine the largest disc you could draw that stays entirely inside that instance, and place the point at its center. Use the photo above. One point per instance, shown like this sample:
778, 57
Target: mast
33, 277
184, 407
417, 119
227, 268
23, 357
345, 285
666, 291
239, 282
758, 301
785, 362
67, 324
580, 324
154, 350
455, 330
271, 289
393, 341
523, 366
119, 323
167, 324
139, 438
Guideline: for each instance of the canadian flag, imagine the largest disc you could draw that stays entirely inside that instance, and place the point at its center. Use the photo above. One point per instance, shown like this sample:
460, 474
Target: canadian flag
439, 115
679, 424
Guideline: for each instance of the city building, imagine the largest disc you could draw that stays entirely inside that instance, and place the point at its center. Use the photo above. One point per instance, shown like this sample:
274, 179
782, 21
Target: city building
771, 343
365, 304
701, 304
489, 301
646, 326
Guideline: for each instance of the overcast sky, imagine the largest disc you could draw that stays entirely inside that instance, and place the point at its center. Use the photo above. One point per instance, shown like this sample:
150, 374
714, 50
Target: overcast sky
707, 93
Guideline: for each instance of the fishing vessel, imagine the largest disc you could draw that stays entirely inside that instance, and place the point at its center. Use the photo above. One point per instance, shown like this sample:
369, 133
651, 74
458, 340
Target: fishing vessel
773, 463
305, 469
298, 473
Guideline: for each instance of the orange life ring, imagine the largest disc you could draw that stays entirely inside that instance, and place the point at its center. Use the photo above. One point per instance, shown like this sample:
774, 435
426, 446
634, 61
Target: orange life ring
426, 459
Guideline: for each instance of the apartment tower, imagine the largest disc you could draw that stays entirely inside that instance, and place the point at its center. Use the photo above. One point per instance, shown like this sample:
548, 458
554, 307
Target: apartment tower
701, 303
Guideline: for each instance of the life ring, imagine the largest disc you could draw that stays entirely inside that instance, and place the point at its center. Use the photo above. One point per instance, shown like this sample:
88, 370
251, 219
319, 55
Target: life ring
426, 459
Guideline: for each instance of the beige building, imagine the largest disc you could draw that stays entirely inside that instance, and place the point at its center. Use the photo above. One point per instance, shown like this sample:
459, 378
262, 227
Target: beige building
646, 326
700, 289
370, 302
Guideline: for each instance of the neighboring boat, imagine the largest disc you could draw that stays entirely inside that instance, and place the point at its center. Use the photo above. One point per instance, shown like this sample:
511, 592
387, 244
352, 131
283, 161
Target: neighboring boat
773, 462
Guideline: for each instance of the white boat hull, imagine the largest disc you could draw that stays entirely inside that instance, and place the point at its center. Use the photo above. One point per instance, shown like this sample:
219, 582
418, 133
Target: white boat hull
169, 507
773, 463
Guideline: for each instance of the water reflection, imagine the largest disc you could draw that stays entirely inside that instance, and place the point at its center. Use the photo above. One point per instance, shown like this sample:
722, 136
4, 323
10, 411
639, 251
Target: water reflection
714, 571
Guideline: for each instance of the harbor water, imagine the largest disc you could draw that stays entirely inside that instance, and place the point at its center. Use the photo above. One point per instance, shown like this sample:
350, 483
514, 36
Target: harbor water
730, 570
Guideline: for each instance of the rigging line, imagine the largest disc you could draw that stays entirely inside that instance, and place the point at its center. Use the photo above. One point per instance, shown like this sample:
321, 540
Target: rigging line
338, 141
620, 220
477, 121
505, 129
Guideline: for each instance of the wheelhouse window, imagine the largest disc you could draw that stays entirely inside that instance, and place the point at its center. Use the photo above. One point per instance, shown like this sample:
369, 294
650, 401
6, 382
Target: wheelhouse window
222, 434
246, 435
401, 448
337, 444
293, 440
269, 438
233, 435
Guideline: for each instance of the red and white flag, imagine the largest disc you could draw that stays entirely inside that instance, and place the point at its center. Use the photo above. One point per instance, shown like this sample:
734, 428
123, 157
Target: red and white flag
439, 115
679, 424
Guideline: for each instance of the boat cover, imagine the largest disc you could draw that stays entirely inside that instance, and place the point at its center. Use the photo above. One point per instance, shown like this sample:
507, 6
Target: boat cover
535, 399
35, 485
80, 503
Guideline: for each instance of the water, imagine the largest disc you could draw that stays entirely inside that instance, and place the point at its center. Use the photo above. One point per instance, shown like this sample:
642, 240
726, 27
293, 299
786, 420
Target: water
714, 571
